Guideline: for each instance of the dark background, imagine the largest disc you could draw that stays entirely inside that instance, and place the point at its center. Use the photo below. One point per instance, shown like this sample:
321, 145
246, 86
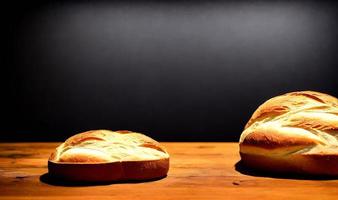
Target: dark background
174, 70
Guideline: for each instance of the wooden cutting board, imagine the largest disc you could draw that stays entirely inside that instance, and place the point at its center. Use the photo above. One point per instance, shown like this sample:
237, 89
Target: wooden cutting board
197, 171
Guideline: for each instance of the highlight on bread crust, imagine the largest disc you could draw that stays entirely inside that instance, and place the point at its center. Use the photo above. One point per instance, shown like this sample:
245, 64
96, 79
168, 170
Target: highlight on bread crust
293, 133
103, 155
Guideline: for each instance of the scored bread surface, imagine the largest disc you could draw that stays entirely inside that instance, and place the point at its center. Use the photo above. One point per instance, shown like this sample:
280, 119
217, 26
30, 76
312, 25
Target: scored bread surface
296, 132
103, 146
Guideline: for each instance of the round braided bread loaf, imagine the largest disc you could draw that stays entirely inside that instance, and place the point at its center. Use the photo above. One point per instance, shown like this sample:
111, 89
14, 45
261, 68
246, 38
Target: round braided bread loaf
296, 132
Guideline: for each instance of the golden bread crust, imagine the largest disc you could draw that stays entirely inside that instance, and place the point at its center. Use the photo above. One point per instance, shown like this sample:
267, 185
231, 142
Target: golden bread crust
295, 132
103, 155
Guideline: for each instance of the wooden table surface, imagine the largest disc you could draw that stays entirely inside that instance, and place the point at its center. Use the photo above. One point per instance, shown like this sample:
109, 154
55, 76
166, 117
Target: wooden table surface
197, 171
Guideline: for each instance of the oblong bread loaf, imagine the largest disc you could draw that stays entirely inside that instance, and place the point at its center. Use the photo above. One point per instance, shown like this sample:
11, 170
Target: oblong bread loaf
103, 155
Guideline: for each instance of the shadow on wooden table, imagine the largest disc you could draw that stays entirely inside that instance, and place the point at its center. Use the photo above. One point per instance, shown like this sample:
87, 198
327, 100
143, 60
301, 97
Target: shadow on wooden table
241, 168
48, 179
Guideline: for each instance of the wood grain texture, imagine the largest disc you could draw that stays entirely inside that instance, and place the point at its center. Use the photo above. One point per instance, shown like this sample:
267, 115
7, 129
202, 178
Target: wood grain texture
197, 171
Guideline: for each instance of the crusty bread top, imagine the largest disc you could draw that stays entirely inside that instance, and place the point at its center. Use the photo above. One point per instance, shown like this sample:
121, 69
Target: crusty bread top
303, 122
101, 146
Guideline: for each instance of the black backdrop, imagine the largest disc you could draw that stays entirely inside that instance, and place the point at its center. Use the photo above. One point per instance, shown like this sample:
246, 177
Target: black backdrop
175, 70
